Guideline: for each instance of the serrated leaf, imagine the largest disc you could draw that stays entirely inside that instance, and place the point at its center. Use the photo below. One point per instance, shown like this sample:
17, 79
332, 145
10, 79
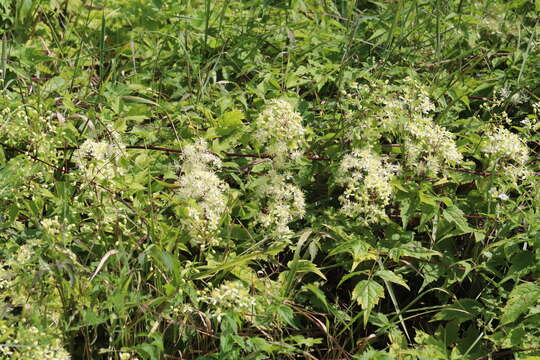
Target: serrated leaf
521, 299
368, 293
454, 215
360, 250
230, 122
408, 207
392, 277
412, 249
427, 199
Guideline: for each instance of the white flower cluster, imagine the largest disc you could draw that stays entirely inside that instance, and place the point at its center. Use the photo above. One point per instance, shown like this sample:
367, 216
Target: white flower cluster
6, 277
505, 146
430, 143
27, 345
404, 112
407, 104
284, 203
367, 179
202, 192
52, 226
508, 153
516, 98
197, 156
126, 356
279, 130
231, 295
99, 160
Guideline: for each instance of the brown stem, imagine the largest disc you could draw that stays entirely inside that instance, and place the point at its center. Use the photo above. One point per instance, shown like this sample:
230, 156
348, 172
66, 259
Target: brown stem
26, 153
267, 156
496, 354
64, 170
178, 151
481, 173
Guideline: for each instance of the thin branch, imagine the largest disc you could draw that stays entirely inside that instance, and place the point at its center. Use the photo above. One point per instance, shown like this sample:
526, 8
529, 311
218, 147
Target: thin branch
473, 172
466, 58
496, 354
477, 217
157, 148
268, 156
64, 170
178, 151
26, 153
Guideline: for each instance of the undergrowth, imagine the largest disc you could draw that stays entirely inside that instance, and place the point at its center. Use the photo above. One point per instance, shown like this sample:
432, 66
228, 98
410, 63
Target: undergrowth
273, 179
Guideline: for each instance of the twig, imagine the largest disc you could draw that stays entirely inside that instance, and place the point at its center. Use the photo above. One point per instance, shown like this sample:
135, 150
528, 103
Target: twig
496, 354
268, 156
481, 98
481, 173
477, 217
26, 153
467, 58
64, 170
404, 259
178, 151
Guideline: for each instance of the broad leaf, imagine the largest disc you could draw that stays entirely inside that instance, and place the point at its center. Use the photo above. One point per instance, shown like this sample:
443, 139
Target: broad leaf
392, 277
521, 299
454, 215
368, 293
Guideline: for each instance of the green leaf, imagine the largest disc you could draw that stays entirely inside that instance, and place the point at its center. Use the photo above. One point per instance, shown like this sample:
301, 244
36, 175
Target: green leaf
210, 270
521, 299
427, 199
460, 311
408, 206
138, 100
392, 277
285, 313
318, 294
302, 266
359, 249
368, 293
230, 122
413, 249
454, 215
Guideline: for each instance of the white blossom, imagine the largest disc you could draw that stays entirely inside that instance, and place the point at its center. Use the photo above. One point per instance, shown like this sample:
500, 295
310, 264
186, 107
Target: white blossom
366, 177
430, 143
99, 160
283, 203
231, 295
197, 156
202, 192
279, 130
505, 146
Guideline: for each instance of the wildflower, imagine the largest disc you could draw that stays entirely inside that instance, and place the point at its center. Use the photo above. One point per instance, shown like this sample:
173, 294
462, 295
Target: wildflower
51, 226
279, 130
404, 112
505, 146
231, 295
202, 192
503, 197
98, 160
431, 143
366, 177
197, 156
284, 203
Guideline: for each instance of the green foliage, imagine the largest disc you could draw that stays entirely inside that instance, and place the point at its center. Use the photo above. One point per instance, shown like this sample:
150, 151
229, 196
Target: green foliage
264, 179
